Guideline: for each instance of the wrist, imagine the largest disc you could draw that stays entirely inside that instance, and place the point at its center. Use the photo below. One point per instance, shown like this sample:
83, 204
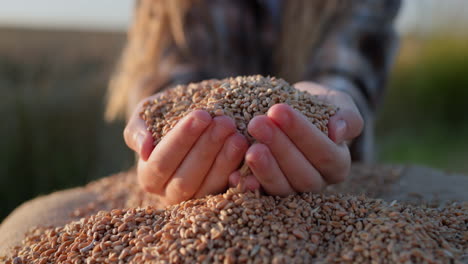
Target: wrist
345, 85
362, 148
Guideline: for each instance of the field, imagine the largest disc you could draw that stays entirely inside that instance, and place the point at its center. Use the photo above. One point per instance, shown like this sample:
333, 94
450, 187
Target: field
424, 119
52, 89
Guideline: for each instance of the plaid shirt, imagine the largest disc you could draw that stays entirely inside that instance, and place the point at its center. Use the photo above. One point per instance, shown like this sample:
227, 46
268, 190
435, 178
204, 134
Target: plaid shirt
229, 38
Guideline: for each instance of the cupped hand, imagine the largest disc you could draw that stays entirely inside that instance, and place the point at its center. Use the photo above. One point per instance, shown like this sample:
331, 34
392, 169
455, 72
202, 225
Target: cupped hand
194, 159
292, 155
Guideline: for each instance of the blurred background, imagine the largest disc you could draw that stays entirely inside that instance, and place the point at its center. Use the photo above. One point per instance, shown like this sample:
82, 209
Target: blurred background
56, 57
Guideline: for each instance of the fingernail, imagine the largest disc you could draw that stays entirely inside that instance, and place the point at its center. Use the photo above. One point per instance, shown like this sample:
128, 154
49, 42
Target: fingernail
140, 139
283, 118
340, 130
257, 160
198, 123
234, 179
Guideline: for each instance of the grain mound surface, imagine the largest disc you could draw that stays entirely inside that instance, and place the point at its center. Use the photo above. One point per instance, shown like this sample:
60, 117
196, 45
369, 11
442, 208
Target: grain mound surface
237, 227
248, 227
240, 98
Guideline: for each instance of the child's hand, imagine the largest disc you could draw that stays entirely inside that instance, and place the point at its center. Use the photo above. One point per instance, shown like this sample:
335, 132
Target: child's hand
295, 156
194, 159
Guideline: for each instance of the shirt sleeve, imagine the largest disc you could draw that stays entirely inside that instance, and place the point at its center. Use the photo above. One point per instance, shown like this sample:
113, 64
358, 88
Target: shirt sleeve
355, 57
358, 51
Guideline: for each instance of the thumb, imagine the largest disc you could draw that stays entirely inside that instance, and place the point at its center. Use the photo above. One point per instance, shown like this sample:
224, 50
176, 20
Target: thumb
345, 125
138, 138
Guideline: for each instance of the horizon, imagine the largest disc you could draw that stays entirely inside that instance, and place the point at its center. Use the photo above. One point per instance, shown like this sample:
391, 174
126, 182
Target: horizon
115, 15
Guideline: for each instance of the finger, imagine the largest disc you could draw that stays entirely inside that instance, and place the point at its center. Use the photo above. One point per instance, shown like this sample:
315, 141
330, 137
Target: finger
266, 170
300, 173
137, 137
331, 160
347, 123
192, 171
251, 183
226, 162
171, 150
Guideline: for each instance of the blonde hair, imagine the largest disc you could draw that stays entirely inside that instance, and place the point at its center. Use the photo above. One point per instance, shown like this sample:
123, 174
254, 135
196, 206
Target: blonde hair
158, 24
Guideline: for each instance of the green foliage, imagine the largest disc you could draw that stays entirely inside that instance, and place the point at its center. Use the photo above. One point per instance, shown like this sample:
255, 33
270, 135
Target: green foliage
424, 118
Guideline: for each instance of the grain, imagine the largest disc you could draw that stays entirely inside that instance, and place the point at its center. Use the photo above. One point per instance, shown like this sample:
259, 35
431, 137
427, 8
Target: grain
301, 228
240, 98
247, 227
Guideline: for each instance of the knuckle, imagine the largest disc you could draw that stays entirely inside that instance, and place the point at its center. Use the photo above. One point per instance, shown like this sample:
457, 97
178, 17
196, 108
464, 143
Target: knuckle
311, 183
147, 184
180, 190
159, 170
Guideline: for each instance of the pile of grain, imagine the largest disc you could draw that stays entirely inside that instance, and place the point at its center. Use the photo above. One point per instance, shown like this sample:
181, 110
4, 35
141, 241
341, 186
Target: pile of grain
237, 227
240, 98
240, 227
122, 190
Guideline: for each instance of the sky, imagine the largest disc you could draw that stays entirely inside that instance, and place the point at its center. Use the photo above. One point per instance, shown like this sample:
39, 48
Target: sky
115, 15
84, 14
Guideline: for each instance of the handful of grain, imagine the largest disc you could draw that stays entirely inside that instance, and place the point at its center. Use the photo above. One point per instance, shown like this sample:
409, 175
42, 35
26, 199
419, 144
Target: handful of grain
238, 227
240, 98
